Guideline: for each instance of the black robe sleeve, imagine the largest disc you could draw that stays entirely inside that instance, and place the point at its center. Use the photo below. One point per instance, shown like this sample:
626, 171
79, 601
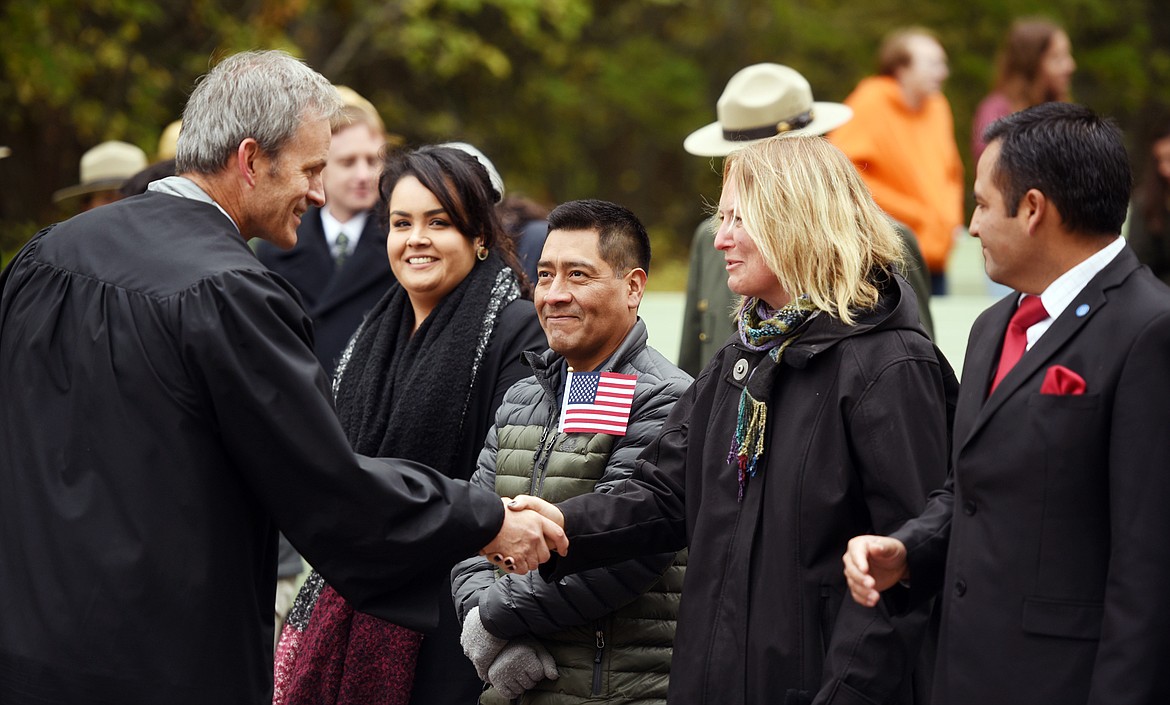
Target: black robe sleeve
383, 532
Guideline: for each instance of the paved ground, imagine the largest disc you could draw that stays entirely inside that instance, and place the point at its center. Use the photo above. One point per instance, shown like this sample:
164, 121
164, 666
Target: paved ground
953, 314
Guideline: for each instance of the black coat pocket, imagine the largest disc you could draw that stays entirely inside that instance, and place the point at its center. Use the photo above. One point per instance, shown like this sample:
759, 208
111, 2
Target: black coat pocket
1063, 618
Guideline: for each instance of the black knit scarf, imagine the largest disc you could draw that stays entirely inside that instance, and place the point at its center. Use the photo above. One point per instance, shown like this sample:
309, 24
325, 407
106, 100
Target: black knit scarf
405, 396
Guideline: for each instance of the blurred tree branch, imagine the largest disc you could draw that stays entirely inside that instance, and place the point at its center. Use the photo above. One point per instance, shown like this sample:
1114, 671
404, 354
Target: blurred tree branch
570, 98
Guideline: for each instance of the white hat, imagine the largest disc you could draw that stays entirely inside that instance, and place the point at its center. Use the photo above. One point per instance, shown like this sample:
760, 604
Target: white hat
761, 101
168, 141
105, 168
496, 179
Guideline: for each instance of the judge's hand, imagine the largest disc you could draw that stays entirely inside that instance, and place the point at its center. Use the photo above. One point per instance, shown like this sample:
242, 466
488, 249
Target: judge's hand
536, 504
524, 541
873, 564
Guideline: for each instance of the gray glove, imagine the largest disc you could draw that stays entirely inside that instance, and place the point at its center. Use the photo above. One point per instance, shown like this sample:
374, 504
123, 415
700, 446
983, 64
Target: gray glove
520, 666
480, 645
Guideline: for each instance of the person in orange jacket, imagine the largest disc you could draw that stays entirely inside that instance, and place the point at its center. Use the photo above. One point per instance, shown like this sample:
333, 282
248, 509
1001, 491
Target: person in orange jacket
902, 139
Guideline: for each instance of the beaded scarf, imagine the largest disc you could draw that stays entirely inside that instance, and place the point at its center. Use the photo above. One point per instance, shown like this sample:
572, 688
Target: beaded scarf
762, 328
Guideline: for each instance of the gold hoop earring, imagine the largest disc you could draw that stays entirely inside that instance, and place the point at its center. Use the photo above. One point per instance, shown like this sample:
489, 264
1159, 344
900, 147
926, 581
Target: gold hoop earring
481, 253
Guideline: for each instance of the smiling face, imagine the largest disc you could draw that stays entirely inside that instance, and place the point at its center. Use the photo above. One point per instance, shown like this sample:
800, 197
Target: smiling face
351, 178
585, 307
286, 185
1005, 241
747, 271
427, 254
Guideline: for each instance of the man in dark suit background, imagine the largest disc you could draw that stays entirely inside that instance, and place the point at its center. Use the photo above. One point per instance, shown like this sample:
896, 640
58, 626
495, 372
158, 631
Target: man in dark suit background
339, 264
1050, 543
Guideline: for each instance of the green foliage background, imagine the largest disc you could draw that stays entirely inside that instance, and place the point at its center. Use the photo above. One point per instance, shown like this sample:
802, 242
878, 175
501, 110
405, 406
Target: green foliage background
570, 98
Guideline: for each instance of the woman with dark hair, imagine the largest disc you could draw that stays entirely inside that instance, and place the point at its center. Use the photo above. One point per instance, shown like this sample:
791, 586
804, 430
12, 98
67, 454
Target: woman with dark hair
1149, 217
421, 379
1035, 66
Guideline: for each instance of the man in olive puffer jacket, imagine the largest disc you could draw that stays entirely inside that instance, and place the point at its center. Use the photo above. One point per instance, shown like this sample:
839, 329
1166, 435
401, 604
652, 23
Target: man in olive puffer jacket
603, 635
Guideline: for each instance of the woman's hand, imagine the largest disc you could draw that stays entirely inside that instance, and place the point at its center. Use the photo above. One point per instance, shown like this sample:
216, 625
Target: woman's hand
546, 509
525, 540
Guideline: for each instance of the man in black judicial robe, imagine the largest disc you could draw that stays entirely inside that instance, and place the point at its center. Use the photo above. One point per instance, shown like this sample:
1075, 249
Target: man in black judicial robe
163, 414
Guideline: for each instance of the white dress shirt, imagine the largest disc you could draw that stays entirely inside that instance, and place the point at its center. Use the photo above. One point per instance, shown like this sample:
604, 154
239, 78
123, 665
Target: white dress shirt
1061, 292
352, 228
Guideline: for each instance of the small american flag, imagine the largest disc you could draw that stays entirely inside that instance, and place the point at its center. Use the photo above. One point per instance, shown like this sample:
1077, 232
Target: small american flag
597, 402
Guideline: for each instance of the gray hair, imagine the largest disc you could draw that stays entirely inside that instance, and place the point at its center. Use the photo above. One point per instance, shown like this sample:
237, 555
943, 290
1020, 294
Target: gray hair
265, 95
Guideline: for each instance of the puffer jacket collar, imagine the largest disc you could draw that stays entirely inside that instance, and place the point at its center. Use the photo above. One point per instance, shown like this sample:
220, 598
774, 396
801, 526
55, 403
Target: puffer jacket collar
546, 366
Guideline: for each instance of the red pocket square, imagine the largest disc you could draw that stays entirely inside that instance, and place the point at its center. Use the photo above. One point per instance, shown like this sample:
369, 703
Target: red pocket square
1061, 380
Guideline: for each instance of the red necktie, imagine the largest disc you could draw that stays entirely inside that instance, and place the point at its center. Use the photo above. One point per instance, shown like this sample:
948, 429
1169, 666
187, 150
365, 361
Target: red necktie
1015, 339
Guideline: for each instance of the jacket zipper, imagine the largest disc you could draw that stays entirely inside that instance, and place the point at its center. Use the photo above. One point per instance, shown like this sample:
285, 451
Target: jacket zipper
597, 659
541, 463
541, 458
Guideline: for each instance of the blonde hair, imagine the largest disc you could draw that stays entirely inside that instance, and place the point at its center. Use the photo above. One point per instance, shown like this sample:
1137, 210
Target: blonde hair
358, 111
814, 222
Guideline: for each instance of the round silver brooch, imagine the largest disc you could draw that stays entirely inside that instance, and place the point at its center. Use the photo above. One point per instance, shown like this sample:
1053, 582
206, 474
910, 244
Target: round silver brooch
740, 370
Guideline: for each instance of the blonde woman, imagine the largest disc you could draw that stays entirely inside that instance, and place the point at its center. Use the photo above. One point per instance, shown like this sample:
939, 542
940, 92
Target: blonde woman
827, 414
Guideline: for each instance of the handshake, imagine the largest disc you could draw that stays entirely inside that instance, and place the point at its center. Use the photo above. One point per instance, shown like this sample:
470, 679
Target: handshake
532, 529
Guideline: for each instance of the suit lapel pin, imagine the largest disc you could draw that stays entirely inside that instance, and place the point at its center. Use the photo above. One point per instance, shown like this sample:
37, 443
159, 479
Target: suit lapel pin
1082, 310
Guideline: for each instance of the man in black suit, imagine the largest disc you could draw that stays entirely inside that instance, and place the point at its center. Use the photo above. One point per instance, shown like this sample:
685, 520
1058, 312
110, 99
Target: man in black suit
1050, 543
339, 264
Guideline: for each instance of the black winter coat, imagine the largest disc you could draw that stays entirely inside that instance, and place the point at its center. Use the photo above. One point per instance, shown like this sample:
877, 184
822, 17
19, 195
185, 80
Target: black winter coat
857, 437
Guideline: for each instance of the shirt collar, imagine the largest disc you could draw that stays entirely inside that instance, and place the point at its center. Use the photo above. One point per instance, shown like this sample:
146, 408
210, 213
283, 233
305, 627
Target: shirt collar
352, 228
1061, 292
